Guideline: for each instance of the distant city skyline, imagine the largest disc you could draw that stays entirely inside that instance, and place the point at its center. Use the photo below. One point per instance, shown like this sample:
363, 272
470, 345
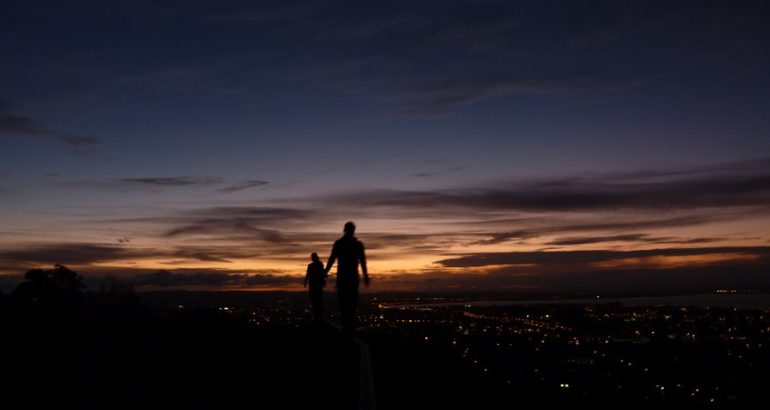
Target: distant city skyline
524, 145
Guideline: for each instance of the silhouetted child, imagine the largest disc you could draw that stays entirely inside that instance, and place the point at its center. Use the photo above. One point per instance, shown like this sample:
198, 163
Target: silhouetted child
317, 278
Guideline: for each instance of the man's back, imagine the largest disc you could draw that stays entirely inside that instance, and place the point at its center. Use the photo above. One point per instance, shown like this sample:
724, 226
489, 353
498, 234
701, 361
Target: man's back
349, 252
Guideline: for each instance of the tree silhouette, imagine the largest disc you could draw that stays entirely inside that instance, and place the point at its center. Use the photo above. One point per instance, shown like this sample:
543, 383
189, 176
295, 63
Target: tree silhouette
57, 286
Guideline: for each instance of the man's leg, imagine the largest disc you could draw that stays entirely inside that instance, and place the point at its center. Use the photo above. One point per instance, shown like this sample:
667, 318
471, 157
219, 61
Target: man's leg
348, 297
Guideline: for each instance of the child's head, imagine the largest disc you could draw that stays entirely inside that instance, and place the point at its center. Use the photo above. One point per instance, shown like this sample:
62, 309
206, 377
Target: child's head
314, 257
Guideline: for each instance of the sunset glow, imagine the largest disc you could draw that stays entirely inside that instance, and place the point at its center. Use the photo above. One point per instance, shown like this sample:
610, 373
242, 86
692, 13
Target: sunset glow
210, 148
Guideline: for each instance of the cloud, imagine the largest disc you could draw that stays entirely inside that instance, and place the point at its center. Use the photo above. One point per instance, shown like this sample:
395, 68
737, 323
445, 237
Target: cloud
722, 190
448, 95
211, 279
634, 237
584, 257
628, 280
226, 227
250, 226
439, 172
146, 183
500, 237
20, 126
67, 254
477, 47
170, 181
565, 47
84, 254
608, 205
598, 210
240, 186
537, 227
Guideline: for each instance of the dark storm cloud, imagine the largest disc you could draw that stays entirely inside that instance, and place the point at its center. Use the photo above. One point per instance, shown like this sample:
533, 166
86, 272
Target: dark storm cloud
240, 186
20, 126
579, 258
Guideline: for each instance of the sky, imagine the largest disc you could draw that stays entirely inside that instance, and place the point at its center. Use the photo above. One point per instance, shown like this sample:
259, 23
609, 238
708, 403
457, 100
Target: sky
477, 145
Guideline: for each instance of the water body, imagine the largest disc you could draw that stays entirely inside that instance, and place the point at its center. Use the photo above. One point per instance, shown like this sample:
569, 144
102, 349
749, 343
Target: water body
741, 301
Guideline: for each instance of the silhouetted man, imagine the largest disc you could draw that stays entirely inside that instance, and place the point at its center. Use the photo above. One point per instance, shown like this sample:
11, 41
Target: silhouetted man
316, 275
348, 252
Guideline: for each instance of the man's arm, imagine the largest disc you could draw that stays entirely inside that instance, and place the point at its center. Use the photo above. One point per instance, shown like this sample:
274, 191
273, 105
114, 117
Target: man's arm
362, 258
331, 260
307, 274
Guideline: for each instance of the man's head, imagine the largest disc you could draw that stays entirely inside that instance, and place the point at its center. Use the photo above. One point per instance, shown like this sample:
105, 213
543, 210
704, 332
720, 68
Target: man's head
314, 257
350, 229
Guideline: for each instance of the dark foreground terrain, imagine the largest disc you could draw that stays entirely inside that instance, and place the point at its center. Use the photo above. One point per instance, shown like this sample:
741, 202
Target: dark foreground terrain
255, 351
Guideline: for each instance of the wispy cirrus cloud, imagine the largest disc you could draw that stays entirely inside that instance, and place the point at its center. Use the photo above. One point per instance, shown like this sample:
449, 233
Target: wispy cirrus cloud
734, 187
21, 126
613, 218
227, 227
17, 125
85, 254
159, 183
428, 174
446, 96
165, 279
700, 278
170, 181
64, 253
634, 237
579, 258
147, 183
609, 207
243, 185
